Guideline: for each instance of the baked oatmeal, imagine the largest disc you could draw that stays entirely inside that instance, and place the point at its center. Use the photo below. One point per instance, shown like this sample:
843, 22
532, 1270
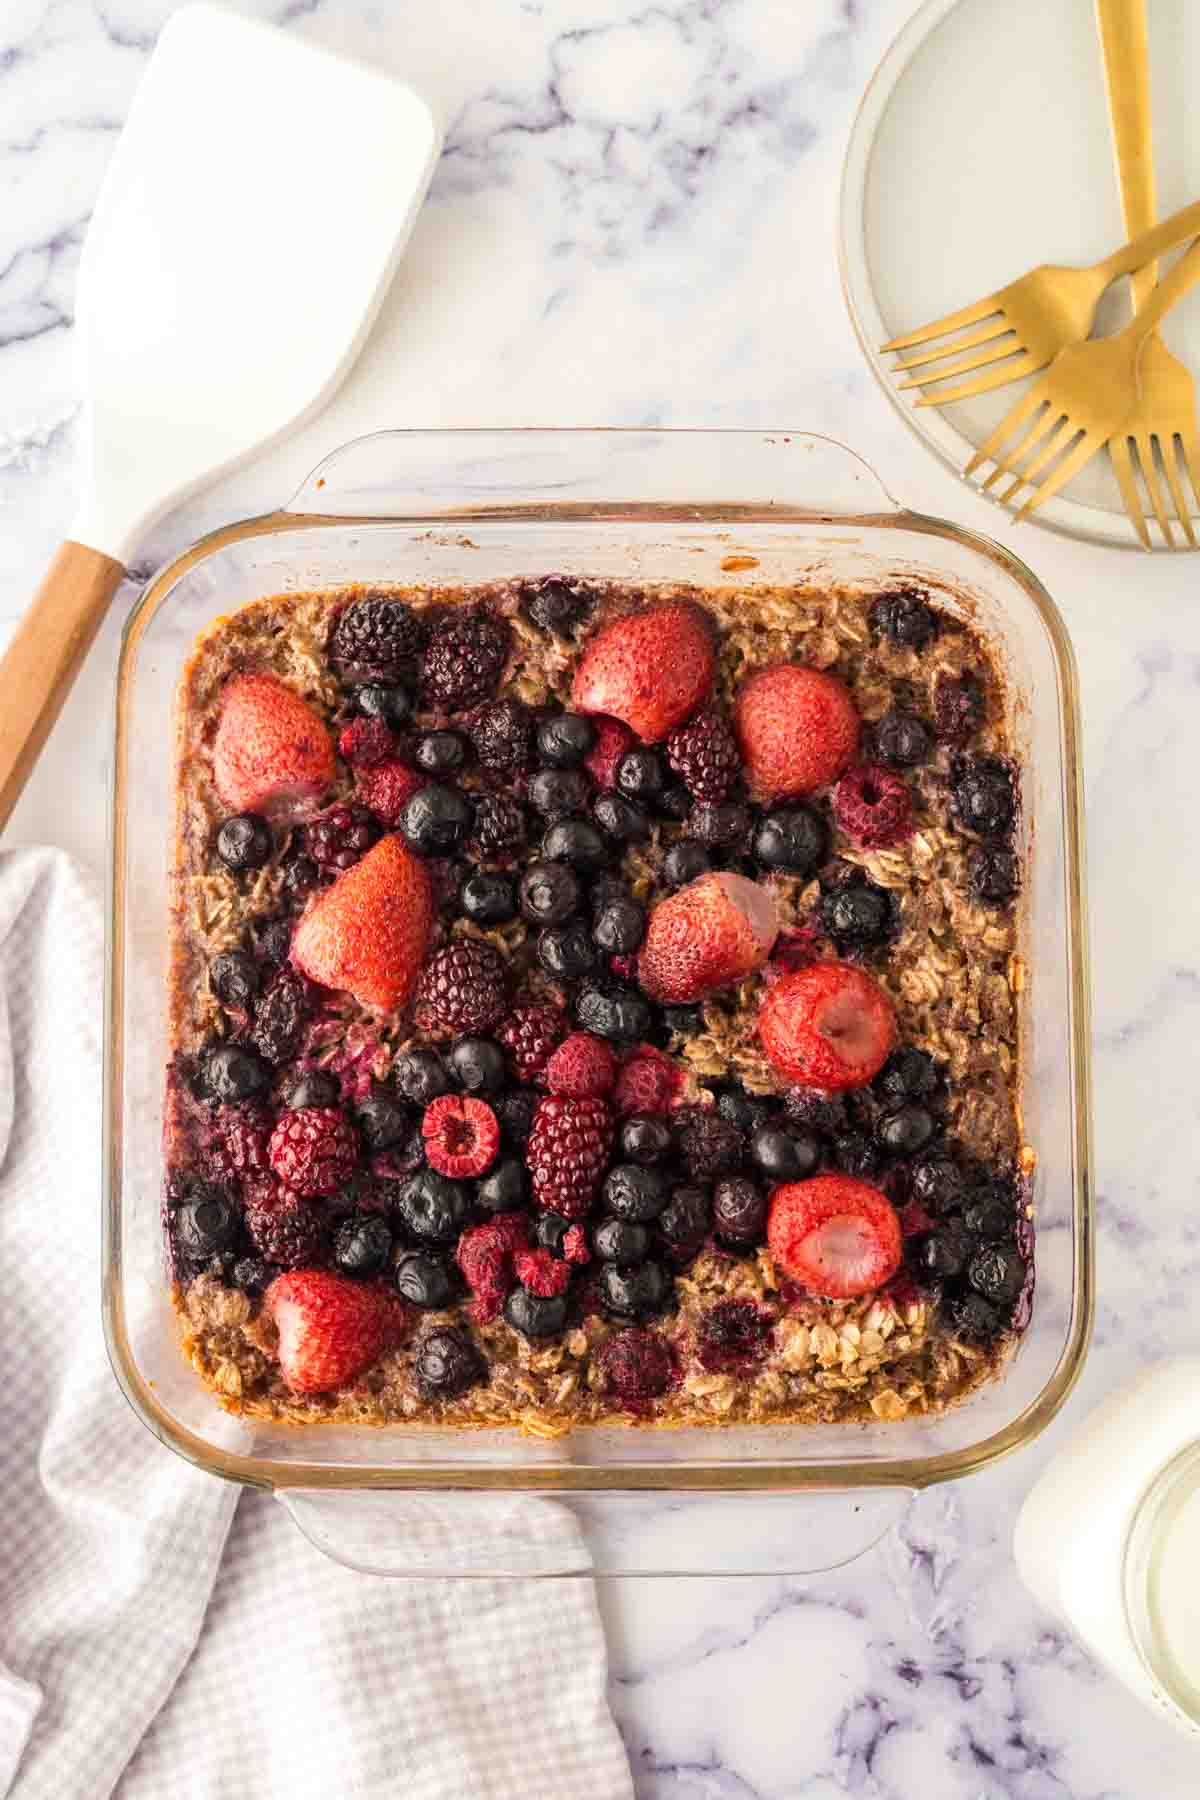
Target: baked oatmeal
595, 1005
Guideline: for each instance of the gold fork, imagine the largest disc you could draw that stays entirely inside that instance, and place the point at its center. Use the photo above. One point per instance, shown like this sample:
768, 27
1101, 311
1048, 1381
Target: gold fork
1087, 398
1025, 325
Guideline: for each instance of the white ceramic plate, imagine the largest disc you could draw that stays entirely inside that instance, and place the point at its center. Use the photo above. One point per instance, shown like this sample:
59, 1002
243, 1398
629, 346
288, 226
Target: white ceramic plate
982, 148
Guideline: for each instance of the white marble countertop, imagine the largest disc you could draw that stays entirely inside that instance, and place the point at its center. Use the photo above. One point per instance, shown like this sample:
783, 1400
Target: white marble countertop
634, 223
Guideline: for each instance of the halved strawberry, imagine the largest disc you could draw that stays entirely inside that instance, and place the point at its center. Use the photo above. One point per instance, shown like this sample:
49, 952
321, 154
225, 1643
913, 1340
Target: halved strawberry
827, 1026
331, 1328
366, 935
462, 1135
272, 754
796, 728
711, 933
837, 1236
613, 739
650, 668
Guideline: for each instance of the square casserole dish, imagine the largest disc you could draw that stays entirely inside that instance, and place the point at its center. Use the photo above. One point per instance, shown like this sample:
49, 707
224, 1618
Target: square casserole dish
447, 508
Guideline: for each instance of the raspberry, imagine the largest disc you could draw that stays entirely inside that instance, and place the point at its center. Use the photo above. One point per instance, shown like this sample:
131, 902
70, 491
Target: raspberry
636, 1365
613, 739
461, 1136
530, 1035
338, 837
710, 1145
284, 1228
568, 1147
280, 1017
958, 708
733, 1336
386, 787
314, 1150
500, 825
542, 1273
704, 753
648, 1082
582, 1068
375, 637
502, 736
238, 1146
873, 807
575, 1245
485, 1256
365, 742
465, 655
462, 990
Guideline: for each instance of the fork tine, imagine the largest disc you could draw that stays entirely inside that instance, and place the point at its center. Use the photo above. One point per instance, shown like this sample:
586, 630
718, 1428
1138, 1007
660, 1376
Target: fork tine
955, 321
1166, 446
1001, 328
1006, 464
1145, 450
1122, 462
1052, 445
1070, 465
983, 384
964, 365
1190, 451
1015, 416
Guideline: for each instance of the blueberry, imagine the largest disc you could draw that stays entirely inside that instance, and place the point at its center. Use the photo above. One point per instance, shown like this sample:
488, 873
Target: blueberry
640, 775
206, 1223
744, 1110
739, 1211
620, 1241
447, 1363
605, 890
621, 818
622, 1015
566, 951
383, 1119
229, 1074
549, 1230
314, 1087
990, 1212
938, 1183
684, 1220
824, 1114
515, 1110
645, 1139
903, 741
905, 1132
233, 978
556, 604
503, 1190
783, 1155
722, 824
620, 928
389, 703
577, 843
426, 1281
300, 877
634, 1293
993, 874
244, 842
675, 801
686, 1020
981, 788
436, 819
906, 617
564, 741
997, 1273
791, 838
477, 1064
488, 899
975, 1319
634, 1193
432, 1208
420, 1075
685, 861
558, 793
908, 1074
855, 1154
549, 893
362, 1244
440, 752
947, 1250
857, 914
536, 1315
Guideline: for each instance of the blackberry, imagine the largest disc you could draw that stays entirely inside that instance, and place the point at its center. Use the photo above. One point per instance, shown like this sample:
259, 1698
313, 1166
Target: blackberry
724, 825
684, 1221
530, 1035
503, 1189
488, 899
704, 753
549, 893
375, 638
477, 1065
856, 913
566, 951
783, 1155
855, 1154
792, 838
420, 1075
288, 1231
997, 1273
938, 1183
300, 876
436, 819
447, 1363
576, 843
959, 706
281, 1016
824, 1114
632, 1192
709, 1144
684, 862
500, 825
362, 1244
463, 989
313, 1087
622, 1015
440, 752
502, 734
465, 656
432, 1208
993, 874
634, 1293
906, 617
739, 1212
905, 1131
557, 604
390, 704
981, 788
620, 927
515, 1110
908, 1074
206, 1223
536, 1315
558, 793
274, 940
426, 1281
640, 776
244, 842
382, 1118
233, 977
620, 818
568, 1147
229, 1074
564, 740
902, 741
620, 1241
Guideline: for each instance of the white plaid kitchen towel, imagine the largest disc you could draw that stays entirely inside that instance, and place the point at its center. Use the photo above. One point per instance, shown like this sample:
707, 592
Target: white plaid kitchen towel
159, 1634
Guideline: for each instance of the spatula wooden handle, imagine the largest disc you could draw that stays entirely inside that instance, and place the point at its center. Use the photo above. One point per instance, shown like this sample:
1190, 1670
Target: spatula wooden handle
44, 656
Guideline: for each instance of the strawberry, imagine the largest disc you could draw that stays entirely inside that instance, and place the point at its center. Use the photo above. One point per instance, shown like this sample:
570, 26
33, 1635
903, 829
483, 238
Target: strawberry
384, 787
272, 754
582, 1068
650, 668
461, 1135
331, 1328
366, 935
711, 933
837, 1236
828, 1026
613, 739
797, 729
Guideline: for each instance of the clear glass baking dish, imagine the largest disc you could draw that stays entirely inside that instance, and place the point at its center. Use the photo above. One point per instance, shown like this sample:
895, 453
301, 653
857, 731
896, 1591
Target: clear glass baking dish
447, 507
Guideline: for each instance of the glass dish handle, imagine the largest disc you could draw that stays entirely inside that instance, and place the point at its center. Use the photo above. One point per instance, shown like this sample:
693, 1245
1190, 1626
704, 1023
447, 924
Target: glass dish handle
445, 475
513, 1536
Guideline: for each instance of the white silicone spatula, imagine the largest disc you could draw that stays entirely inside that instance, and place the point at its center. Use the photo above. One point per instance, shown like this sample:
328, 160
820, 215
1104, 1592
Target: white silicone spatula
253, 213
